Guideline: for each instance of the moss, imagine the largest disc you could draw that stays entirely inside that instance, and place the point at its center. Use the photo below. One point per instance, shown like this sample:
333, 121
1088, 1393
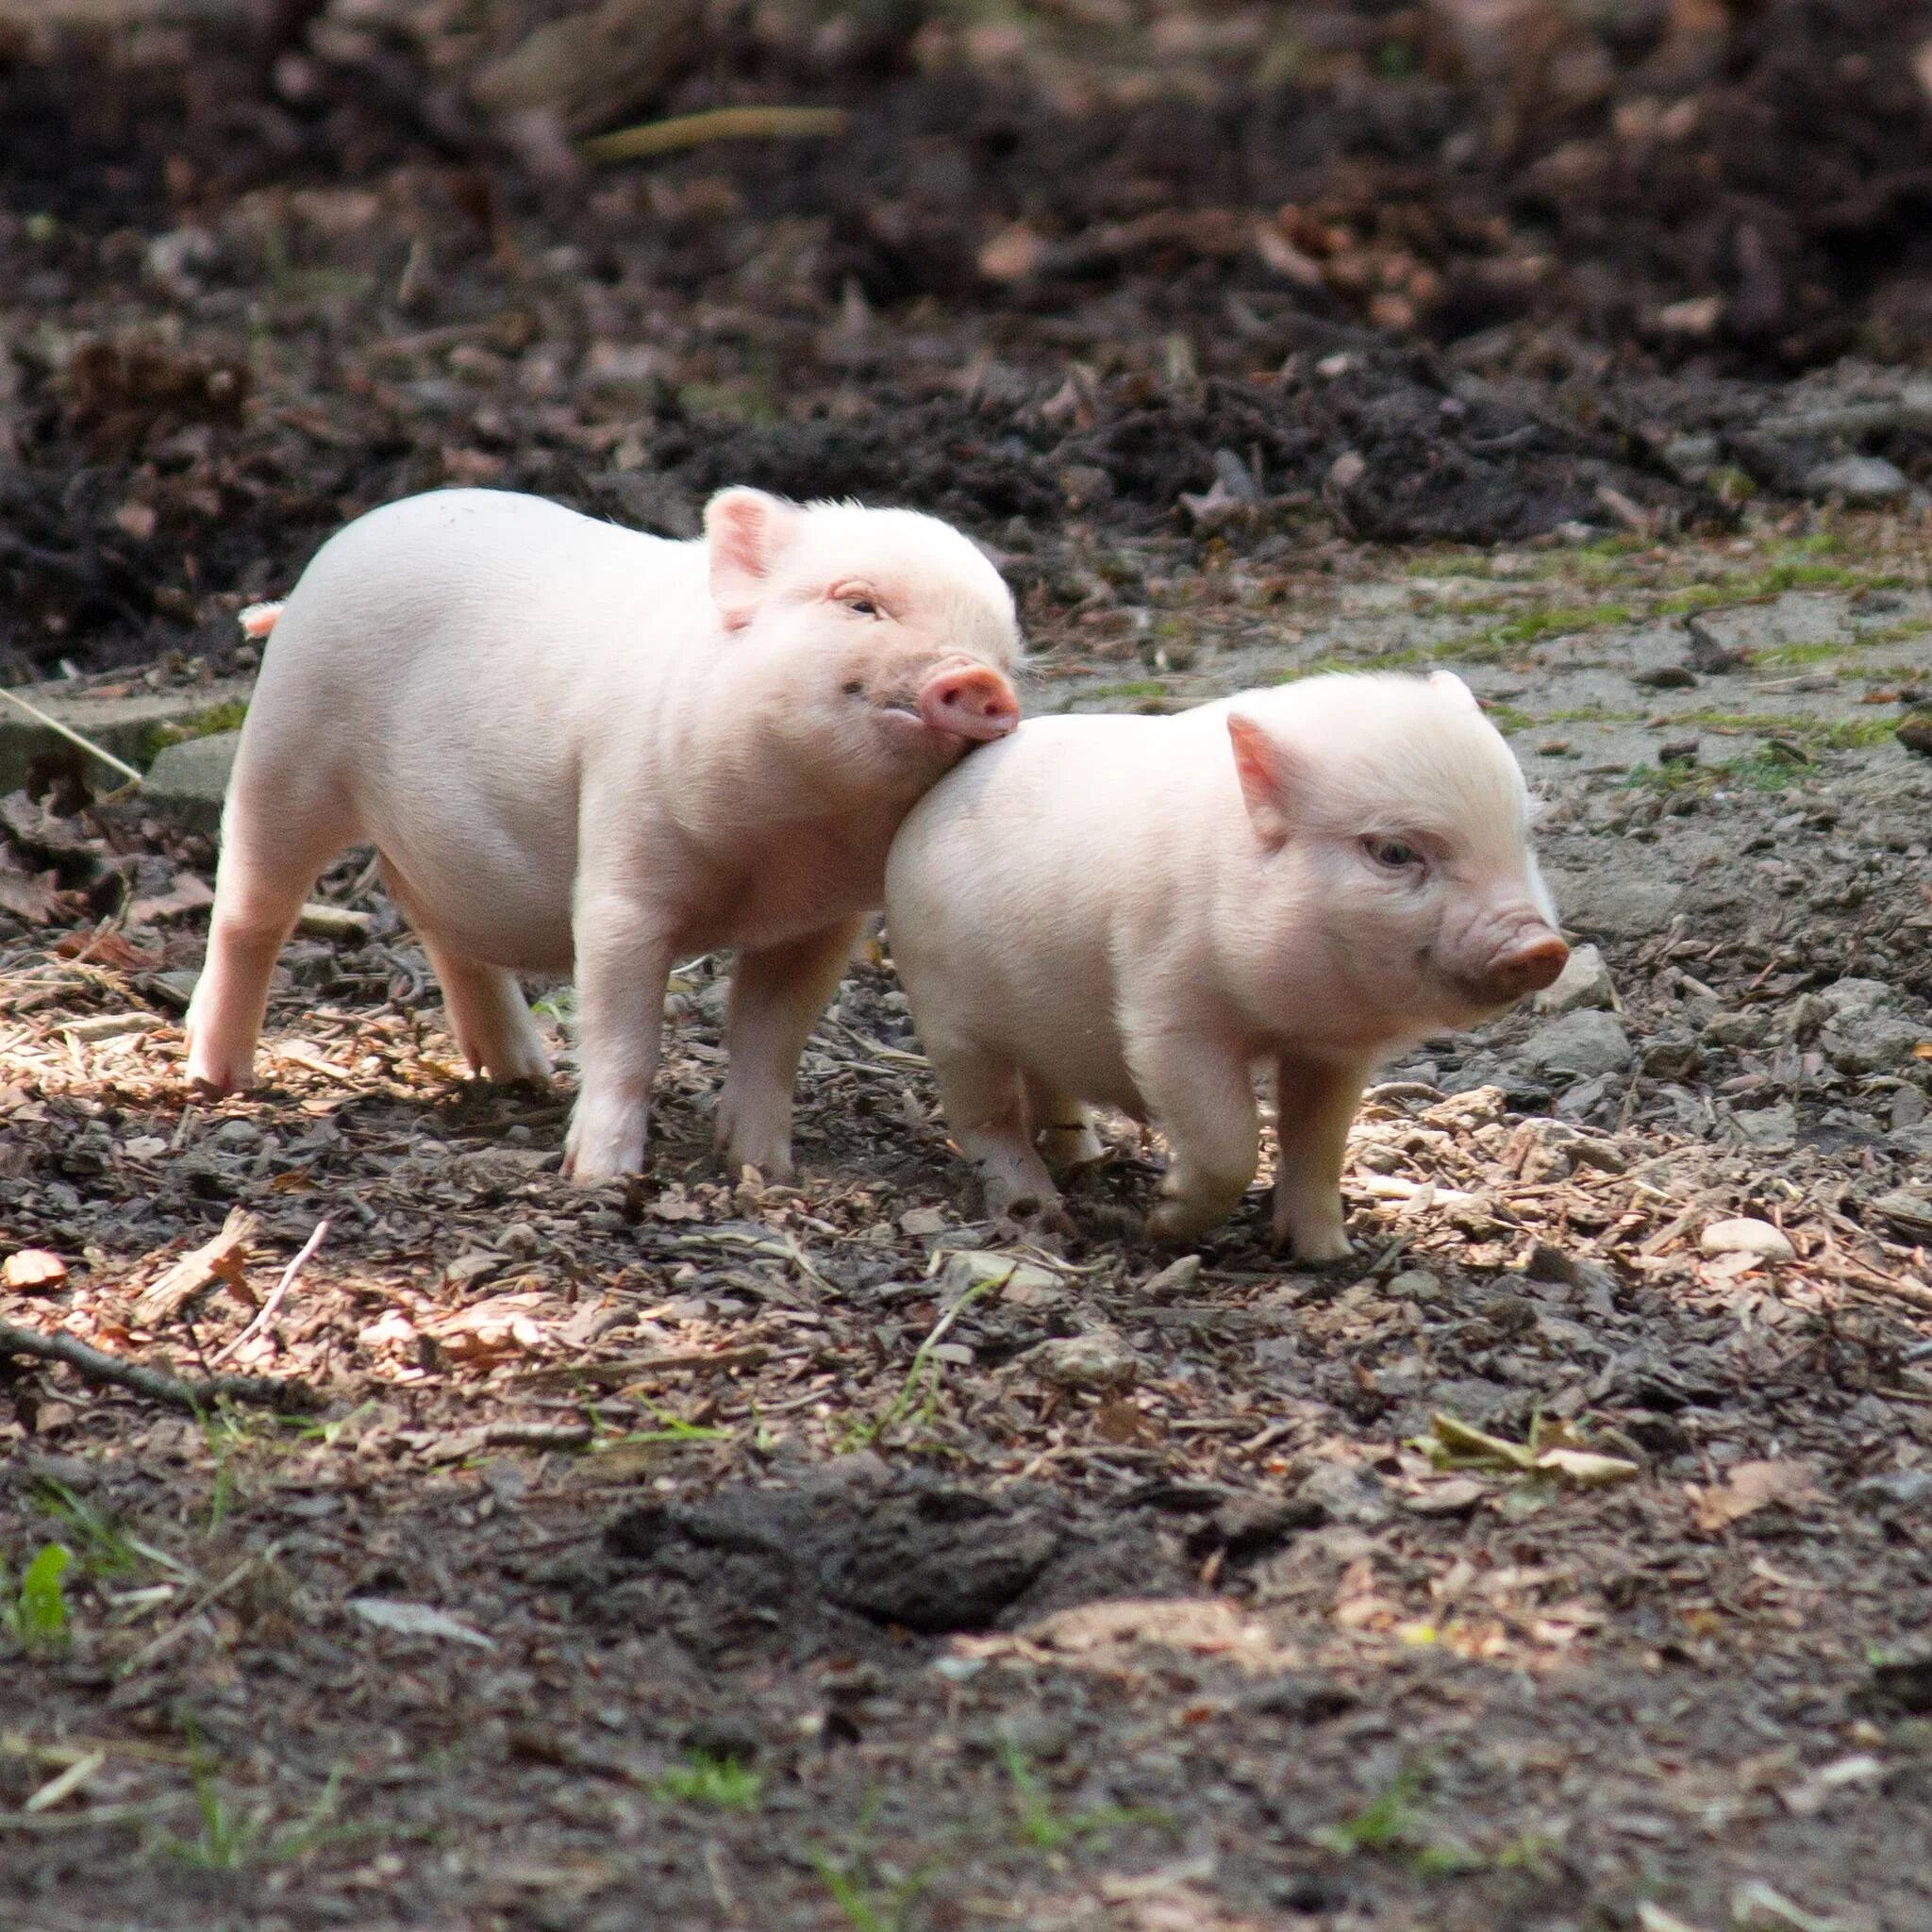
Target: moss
1557, 620
1858, 734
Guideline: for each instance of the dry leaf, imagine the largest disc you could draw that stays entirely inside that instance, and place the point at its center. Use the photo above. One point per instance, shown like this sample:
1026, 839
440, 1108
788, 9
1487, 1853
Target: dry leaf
416, 1620
33, 1271
1012, 254
1749, 1487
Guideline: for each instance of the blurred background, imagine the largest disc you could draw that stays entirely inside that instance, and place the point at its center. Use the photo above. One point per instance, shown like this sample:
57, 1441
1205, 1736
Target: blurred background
1118, 284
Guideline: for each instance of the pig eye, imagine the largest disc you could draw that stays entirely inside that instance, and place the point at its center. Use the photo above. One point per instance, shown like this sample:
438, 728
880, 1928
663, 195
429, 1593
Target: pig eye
852, 686
861, 606
1392, 854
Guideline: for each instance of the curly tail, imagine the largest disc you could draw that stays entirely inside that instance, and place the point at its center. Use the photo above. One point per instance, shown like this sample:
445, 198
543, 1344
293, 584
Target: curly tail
257, 620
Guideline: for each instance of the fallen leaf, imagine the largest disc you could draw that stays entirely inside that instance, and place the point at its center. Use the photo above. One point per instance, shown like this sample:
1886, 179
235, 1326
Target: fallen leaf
34, 1271
1750, 1487
416, 1620
189, 893
1012, 254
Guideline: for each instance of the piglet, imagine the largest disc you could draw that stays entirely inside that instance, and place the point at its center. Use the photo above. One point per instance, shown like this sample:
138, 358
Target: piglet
1136, 911
576, 746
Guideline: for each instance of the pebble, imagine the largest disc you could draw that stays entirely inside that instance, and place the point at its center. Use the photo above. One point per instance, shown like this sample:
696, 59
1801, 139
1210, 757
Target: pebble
237, 1134
1860, 480
1346, 1492
1012, 1278
1582, 1043
1584, 982
1415, 1285
1099, 1360
1747, 1237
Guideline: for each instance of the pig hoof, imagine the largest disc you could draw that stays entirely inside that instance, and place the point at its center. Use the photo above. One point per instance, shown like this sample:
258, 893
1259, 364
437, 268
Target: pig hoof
1314, 1247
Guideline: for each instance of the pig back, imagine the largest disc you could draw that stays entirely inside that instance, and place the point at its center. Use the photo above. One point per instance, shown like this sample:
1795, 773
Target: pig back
449, 666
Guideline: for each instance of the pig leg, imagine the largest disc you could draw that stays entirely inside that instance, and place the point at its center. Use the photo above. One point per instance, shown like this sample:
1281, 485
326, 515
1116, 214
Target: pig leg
777, 995
272, 850
623, 960
985, 1109
489, 1015
1314, 1106
1061, 1128
1206, 1105
486, 1011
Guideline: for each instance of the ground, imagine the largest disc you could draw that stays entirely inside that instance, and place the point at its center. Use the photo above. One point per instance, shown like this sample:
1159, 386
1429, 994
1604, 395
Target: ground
704, 1552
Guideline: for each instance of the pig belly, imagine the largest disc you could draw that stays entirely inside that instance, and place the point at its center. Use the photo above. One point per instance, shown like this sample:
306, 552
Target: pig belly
482, 893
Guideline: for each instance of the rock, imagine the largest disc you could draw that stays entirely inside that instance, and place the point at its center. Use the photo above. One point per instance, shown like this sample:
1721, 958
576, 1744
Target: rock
128, 726
1617, 907
1746, 1237
1767, 1126
1099, 1360
1415, 1285
1907, 1107
1913, 1139
1346, 1492
1008, 1276
1581, 1045
1915, 734
1672, 1056
1896, 1489
1584, 981
1907, 1212
1871, 1043
1859, 480
186, 782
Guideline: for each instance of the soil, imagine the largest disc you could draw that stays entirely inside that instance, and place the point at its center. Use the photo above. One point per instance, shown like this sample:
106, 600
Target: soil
705, 1553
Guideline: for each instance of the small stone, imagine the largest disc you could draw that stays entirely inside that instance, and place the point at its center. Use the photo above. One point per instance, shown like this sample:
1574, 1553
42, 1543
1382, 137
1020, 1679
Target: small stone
1767, 1127
1672, 1056
238, 1135
1896, 1489
922, 1221
1746, 1237
1584, 982
1346, 1492
1415, 1285
1582, 1045
186, 782
467, 1270
1455, 1497
1908, 1109
1915, 734
1099, 1360
1859, 480
1177, 1278
1010, 1276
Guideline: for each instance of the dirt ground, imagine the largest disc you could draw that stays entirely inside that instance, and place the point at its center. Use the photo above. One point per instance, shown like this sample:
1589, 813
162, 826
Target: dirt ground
704, 1554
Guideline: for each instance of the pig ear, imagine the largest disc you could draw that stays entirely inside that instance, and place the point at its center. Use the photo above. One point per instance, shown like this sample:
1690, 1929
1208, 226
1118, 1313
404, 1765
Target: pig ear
746, 532
1453, 687
1266, 769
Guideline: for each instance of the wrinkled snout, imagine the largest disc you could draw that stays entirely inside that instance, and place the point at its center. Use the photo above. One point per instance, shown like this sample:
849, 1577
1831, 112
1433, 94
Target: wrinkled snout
969, 700
1530, 961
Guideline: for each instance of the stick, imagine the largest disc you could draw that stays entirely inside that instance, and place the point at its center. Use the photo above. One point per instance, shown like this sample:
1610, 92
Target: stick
273, 1307
71, 736
219, 1259
157, 1384
715, 124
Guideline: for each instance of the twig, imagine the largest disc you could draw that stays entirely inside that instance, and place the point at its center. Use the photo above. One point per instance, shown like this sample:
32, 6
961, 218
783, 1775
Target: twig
273, 1307
179, 1629
714, 124
71, 736
219, 1259
628, 1368
107, 1370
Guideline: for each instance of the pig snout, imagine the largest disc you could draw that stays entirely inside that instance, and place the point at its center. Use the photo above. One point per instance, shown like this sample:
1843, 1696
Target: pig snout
1526, 963
969, 700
